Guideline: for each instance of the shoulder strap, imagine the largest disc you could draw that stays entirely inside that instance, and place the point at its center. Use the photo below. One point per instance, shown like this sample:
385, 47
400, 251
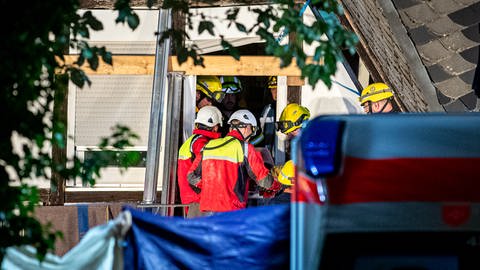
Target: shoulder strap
244, 148
220, 145
194, 139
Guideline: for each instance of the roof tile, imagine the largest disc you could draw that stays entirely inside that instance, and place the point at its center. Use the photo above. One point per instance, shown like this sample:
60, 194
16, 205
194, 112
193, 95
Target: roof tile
470, 100
467, 16
468, 76
433, 52
443, 26
407, 21
471, 55
421, 13
437, 74
403, 4
444, 6
457, 41
456, 106
456, 65
442, 99
466, 2
421, 35
472, 33
453, 88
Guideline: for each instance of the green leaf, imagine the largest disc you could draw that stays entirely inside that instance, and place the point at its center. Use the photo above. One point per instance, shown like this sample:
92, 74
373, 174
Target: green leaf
80, 60
150, 3
87, 53
241, 27
182, 55
92, 21
206, 25
77, 77
107, 58
93, 62
133, 21
231, 50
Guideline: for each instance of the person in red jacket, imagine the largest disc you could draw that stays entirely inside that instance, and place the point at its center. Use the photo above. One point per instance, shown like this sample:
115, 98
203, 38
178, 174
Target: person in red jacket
207, 125
222, 172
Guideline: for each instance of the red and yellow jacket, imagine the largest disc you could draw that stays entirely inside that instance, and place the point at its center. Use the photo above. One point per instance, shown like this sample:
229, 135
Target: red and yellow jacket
186, 154
222, 172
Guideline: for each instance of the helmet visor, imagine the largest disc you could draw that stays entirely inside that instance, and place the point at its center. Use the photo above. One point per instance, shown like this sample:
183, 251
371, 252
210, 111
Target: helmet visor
284, 125
231, 88
218, 96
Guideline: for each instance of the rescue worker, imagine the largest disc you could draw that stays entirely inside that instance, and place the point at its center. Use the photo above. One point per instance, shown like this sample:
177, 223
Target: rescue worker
291, 120
222, 173
286, 178
231, 87
377, 98
207, 124
209, 91
267, 118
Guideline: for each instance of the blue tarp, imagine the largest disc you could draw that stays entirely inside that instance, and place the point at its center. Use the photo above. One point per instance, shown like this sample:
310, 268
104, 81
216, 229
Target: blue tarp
254, 238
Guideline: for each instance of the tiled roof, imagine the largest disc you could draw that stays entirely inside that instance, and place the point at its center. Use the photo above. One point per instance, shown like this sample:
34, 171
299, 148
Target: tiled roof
446, 34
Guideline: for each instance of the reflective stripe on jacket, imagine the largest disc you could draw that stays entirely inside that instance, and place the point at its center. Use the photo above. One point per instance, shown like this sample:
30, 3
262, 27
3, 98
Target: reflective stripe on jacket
223, 170
186, 154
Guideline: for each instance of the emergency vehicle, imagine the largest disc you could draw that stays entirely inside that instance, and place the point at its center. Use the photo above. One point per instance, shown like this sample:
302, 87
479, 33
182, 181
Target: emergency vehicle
389, 191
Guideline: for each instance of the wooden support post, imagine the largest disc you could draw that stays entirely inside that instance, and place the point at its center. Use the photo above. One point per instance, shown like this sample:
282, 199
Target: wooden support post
59, 150
294, 90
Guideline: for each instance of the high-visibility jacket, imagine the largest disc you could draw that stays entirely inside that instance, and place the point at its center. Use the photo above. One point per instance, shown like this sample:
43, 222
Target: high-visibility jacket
186, 154
222, 171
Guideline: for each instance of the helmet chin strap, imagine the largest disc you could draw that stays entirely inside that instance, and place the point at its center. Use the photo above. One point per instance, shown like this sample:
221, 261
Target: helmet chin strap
370, 109
241, 134
384, 105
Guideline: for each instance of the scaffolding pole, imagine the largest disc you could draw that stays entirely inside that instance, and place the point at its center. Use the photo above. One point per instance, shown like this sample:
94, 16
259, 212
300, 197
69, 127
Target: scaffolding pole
157, 109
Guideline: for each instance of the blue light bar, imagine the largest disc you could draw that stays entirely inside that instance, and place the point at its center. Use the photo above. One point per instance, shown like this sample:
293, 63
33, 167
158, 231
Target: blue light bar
320, 146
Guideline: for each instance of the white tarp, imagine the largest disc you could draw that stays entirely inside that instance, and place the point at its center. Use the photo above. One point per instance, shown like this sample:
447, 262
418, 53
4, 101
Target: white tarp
100, 248
341, 98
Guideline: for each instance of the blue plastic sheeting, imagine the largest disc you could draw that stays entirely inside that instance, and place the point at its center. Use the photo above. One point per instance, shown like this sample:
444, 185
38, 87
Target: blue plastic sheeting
254, 238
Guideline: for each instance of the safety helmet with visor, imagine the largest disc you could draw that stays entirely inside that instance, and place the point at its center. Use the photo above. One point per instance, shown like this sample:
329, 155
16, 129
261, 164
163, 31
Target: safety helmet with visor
292, 118
211, 87
231, 84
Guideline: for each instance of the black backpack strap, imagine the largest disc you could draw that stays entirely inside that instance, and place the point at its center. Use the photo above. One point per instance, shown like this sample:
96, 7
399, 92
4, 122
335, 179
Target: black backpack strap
194, 139
220, 145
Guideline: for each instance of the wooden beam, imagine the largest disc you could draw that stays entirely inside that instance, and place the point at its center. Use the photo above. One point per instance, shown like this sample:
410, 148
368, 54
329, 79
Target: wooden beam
227, 65
98, 196
214, 65
108, 4
295, 81
122, 65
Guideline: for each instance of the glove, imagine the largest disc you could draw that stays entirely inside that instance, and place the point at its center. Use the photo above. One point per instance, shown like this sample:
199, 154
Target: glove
272, 191
275, 171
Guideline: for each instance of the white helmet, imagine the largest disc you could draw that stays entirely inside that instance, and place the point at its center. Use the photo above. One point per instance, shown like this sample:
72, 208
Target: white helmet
244, 116
209, 116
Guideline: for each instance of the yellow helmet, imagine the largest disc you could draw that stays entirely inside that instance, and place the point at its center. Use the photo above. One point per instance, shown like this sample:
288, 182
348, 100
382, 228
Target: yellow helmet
292, 118
211, 87
375, 92
272, 82
287, 173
